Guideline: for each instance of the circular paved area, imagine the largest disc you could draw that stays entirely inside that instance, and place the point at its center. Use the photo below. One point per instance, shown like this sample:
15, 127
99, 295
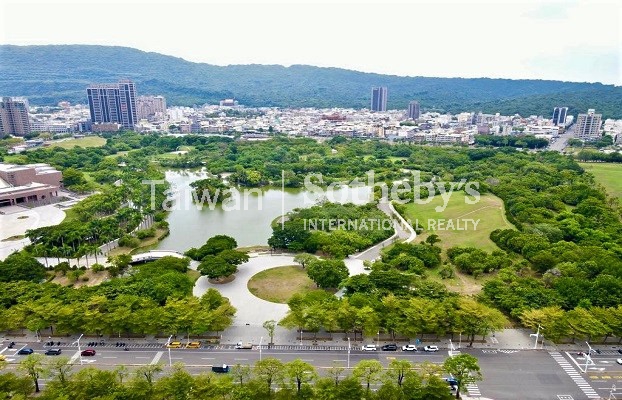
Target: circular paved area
252, 310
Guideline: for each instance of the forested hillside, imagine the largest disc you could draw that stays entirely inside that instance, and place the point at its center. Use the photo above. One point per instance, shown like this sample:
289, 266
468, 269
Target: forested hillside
48, 74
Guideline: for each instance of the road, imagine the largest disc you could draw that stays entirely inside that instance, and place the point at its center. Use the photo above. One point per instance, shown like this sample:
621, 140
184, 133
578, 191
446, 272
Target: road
508, 374
562, 140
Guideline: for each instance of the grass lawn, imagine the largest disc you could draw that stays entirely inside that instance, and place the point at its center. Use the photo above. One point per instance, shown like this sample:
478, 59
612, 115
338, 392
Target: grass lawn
88, 141
607, 174
279, 284
489, 211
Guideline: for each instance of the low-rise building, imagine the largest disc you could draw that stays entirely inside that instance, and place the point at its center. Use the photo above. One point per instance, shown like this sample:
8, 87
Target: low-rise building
21, 184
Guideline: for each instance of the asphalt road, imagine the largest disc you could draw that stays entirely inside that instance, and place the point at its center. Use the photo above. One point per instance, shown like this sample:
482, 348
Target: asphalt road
508, 374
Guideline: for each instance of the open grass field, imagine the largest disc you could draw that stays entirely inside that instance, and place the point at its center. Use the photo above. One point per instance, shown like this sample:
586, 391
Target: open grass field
279, 284
607, 174
488, 213
89, 141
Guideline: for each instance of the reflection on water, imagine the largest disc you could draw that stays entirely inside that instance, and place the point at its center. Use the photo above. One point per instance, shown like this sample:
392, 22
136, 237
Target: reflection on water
246, 218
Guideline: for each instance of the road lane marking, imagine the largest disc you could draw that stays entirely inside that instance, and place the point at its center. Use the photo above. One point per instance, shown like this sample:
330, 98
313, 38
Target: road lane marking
74, 357
143, 357
207, 358
240, 359
306, 360
157, 357
110, 357
339, 360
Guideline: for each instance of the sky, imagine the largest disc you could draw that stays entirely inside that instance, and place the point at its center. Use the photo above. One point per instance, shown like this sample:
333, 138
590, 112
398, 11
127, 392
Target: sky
561, 40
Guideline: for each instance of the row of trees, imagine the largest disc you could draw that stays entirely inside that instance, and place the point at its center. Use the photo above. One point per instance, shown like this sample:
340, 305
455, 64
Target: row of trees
269, 378
152, 298
586, 323
397, 315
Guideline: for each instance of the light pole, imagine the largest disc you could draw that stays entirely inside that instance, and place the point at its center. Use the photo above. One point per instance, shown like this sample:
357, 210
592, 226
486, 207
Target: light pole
168, 342
79, 349
451, 348
348, 352
260, 342
537, 336
301, 336
378, 338
460, 342
588, 357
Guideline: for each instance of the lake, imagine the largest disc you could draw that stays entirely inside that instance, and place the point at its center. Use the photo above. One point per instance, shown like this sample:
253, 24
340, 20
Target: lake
246, 218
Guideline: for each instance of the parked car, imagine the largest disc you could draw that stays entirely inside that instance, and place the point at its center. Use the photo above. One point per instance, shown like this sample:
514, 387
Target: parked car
409, 347
620, 351
193, 345
619, 361
241, 345
25, 351
451, 381
369, 347
431, 348
220, 369
174, 345
88, 352
389, 347
53, 352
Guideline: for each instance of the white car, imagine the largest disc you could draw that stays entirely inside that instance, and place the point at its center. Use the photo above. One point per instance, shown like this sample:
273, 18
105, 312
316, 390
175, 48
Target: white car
619, 361
369, 347
431, 348
409, 347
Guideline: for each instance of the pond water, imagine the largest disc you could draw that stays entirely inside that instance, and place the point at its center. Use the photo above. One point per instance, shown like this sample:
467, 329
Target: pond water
247, 217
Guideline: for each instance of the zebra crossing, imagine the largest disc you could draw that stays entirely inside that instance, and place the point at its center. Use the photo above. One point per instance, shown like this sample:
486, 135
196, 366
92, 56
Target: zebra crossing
505, 351
574, 375
473, 390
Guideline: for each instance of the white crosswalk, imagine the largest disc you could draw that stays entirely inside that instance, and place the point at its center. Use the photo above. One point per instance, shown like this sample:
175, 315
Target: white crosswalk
574, 375
473, 390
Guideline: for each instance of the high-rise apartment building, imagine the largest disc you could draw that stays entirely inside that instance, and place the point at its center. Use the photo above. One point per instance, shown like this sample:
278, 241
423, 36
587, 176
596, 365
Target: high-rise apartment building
588, 125
14, 118
413, 110
113, 103
379, 98
151, 107
559, 116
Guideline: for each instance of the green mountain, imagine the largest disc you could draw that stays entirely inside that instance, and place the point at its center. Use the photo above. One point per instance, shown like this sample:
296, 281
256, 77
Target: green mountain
48, 74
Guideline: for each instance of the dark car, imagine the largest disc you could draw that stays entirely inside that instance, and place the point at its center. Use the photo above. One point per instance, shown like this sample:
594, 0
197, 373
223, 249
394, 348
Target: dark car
389, 347
88, 352
220, 369
25, 351
53, 352
620, 351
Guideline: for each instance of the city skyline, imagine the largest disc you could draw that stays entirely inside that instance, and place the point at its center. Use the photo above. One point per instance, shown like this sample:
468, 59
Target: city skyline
587, 37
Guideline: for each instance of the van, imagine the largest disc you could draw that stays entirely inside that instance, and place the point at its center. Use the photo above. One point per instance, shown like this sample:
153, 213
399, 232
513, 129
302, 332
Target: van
241, 345
220, 369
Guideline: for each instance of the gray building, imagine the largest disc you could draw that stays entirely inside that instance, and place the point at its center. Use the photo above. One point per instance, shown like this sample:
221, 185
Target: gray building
14, 119
379, 98
151, 107
113, 103
588, 125
559, 116
413, 110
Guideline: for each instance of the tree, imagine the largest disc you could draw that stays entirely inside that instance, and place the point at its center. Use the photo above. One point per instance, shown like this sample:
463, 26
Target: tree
304, 259
269, 370
464, 368
21, 266
398, 370
368, 371
73, 177
432, 239
327, 273
300, 373
32, 365
216, 267
241, 373
270, 326
60, 368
